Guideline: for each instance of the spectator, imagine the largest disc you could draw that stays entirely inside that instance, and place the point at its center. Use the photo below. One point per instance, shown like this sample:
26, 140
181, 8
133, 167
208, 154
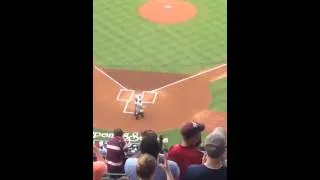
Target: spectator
146, 166
116, 148
213, 166
223, 132
165, 166
99, 166
187, 152
99, 170
148, 133
96, 154
150, 145
103, 151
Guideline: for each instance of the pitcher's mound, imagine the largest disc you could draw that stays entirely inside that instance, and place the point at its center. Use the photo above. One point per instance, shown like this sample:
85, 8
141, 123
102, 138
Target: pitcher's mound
167, 11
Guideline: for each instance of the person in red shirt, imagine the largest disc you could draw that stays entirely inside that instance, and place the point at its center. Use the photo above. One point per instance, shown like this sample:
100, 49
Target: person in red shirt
187, 153
116, 148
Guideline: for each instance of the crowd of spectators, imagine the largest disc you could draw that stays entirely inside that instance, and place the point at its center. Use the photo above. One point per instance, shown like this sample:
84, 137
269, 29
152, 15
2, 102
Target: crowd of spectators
191, 159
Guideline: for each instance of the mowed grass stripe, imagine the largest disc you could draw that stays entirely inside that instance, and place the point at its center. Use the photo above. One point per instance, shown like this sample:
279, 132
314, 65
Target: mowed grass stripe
143, 45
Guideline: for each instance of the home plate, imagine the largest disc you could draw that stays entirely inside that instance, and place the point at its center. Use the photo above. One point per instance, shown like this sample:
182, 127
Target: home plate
168, 6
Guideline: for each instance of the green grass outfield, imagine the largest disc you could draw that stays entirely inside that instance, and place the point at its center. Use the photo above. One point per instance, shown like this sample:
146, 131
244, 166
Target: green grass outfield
124, 40
219, 95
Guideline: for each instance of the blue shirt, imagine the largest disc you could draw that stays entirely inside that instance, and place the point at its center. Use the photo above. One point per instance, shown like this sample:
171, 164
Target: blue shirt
159, 174
197, 172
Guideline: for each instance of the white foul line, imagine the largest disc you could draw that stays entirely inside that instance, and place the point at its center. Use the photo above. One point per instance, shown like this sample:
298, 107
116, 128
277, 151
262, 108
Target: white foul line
109, 77
219, 77
190, 77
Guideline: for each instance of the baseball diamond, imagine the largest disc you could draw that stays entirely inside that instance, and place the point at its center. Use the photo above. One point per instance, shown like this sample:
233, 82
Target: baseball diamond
172, 53
168, 106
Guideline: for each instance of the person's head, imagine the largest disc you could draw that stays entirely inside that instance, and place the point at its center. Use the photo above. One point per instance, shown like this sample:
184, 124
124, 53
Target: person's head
118, 132
146, 166
191, 133
148, 133
99, 170
220, 130
215, 145
150, 145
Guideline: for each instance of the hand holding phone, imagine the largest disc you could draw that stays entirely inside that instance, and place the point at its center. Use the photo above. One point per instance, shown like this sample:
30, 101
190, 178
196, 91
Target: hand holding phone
166, 167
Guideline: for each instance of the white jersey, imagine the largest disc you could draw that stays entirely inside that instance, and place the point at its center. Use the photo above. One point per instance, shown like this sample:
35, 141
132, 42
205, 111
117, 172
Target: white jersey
137, 99
139, 107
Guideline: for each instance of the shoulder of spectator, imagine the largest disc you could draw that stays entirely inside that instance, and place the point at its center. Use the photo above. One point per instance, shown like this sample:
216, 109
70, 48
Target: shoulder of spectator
172, 163
131, 162
130, 167
174, 168
173, 155
194, 166
189, 174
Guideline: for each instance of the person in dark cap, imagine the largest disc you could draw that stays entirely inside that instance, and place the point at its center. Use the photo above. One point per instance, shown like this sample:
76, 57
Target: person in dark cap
213, 166
187, 152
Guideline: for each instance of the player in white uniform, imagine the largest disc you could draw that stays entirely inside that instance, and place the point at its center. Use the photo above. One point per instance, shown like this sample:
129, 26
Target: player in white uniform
137, 99
138, 107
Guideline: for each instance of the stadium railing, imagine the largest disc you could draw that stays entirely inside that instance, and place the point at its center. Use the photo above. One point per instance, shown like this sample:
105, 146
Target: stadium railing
113, 176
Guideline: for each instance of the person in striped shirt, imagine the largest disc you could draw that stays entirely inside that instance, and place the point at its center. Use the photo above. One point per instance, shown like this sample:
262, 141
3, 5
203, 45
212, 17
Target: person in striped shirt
116, 148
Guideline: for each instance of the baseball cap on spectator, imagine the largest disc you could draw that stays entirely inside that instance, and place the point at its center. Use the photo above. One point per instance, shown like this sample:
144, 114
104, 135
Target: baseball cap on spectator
222, 131
99, 170
190, 129
215, 144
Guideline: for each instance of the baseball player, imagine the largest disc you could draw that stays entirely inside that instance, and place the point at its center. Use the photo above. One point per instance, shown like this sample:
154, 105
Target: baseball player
139, 110
137, 99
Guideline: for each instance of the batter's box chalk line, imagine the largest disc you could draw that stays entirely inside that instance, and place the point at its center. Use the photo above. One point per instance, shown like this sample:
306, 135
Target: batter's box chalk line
154, 97
125, 90
131, 99
128, 102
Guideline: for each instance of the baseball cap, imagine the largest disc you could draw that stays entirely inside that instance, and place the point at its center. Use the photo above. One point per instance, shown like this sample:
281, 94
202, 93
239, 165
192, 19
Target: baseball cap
215, 144
190, 129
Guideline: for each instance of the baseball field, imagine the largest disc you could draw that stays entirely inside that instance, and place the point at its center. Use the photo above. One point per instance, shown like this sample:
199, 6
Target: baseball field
172, 52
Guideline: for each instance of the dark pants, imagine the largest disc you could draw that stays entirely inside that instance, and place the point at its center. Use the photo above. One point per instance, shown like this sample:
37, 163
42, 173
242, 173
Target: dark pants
139, 114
